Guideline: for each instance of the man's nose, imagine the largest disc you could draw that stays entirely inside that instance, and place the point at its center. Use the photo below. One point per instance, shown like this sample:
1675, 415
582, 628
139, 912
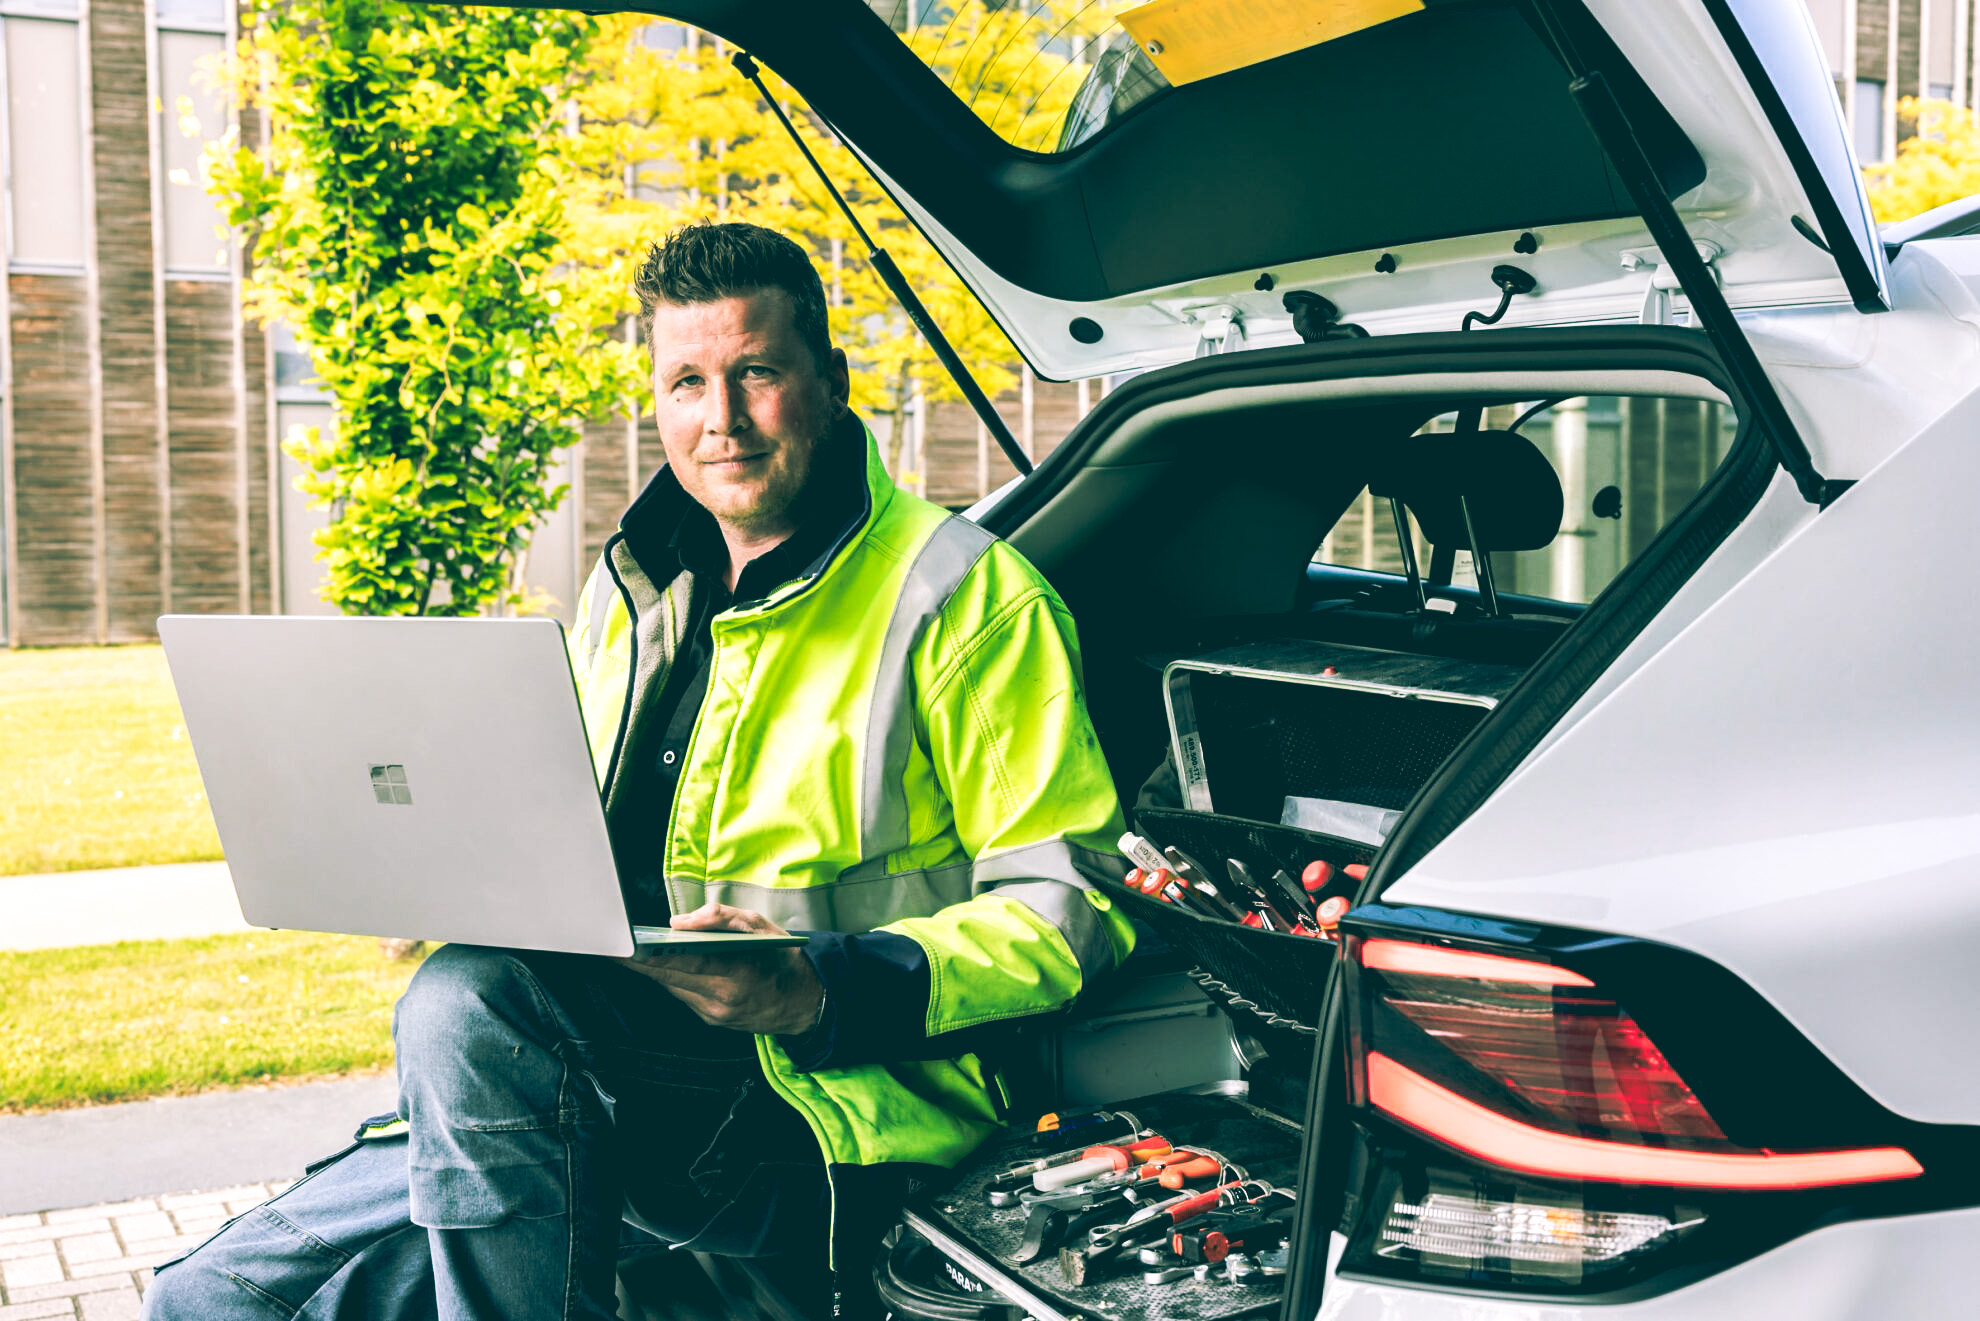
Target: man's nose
727, 412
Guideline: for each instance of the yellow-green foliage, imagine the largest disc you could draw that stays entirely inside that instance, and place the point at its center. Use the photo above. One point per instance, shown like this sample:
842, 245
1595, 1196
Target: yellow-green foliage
155, 1017
1940, 164
403, 223
669, 137
99, 770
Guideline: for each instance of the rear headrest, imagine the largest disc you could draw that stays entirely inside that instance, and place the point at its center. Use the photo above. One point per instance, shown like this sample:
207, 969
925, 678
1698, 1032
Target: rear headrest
1515, 495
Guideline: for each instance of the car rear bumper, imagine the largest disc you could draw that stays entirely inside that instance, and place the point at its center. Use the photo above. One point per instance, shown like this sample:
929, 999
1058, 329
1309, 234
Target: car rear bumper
1915, 1267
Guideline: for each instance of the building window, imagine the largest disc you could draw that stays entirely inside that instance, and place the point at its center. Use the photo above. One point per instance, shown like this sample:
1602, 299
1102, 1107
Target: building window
44, 141
1868, 130
1940, 92
195, 114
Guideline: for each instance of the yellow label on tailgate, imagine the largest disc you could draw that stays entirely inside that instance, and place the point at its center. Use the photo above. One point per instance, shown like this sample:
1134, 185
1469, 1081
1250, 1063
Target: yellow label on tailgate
1194, 39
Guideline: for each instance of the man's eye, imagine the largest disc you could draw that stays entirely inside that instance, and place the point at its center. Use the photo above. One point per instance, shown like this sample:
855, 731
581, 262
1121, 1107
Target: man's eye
687, 382
758, 369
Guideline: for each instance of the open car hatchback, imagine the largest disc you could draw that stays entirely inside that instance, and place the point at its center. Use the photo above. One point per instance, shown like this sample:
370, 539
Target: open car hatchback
1527, 493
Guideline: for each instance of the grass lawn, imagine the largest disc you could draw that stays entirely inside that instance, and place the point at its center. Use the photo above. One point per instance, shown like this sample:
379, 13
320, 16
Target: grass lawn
99, 772
151, 1017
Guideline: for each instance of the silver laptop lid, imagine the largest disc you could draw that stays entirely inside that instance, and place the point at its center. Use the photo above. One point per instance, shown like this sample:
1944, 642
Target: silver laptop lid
422, 778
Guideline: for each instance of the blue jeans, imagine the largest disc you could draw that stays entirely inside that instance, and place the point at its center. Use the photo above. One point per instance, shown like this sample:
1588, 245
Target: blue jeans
550, 1097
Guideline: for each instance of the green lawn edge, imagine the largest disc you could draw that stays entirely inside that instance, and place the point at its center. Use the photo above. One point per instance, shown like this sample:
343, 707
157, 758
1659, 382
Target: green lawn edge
141, 1019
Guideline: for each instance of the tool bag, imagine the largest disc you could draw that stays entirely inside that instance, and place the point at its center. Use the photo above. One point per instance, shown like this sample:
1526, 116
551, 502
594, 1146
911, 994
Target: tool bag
1270, 982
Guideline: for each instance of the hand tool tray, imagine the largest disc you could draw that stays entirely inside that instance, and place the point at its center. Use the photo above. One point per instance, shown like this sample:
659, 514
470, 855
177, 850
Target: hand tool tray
959, 1221
1270, 982
1258, 723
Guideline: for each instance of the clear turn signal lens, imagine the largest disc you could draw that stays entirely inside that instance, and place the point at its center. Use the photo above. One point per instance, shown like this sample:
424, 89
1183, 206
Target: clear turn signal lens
1480, 1232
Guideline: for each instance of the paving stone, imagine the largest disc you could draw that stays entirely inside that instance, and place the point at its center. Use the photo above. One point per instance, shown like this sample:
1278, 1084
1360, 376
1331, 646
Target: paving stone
244, 1205
24, 1272
216, 1197
69, 1288
155, 1224
121, 1305
202, 1224
20, 1221
37, 1248
49, 1307
152, 1251
100, 1212
49, 1233
81, 1248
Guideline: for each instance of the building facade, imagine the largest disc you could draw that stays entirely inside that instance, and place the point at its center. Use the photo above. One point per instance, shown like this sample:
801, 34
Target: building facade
141, 415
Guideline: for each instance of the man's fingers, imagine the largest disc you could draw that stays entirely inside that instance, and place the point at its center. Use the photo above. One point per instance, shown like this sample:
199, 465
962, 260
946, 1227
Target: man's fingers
713, 916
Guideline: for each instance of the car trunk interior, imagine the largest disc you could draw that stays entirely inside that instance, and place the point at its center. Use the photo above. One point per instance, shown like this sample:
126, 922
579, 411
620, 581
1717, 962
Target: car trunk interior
1180, 524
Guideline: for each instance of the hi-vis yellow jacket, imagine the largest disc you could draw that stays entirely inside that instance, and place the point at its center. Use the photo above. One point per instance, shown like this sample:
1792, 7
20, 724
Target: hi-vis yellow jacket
896, 741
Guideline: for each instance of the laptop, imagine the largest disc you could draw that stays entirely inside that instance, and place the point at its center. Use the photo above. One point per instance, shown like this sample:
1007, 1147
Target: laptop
420, 778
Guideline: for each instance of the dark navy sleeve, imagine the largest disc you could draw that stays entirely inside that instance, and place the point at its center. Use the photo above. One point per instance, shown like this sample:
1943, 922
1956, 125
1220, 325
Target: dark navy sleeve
876, 1006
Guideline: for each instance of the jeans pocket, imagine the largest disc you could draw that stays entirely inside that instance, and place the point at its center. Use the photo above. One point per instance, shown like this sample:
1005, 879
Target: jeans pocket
476, 1178
310, 1172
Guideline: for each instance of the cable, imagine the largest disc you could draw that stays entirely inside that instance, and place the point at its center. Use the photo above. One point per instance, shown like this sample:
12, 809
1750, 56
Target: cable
1505, 301
1535, 411
890, 275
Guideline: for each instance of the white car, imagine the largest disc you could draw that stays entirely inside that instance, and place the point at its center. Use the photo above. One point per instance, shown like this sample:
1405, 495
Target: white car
1660, 999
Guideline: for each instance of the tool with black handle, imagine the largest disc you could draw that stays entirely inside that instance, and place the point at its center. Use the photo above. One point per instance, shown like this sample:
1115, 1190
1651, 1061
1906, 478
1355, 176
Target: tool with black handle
1150, 1225
1214, 1236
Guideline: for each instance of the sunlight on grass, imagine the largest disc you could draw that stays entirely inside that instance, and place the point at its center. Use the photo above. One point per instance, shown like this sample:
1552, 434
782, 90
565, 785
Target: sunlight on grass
99, 770
154, 1017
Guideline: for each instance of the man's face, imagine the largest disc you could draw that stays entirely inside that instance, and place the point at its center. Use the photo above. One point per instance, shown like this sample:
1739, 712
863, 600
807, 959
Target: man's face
742, 405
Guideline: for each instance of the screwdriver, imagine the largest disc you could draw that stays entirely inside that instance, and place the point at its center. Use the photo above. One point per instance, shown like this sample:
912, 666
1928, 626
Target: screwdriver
1021, 1172
1099, 1160
1177, 1173
1144, 855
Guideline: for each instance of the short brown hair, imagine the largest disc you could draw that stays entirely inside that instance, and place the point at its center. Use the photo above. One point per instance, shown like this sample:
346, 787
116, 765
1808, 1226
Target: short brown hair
707, 262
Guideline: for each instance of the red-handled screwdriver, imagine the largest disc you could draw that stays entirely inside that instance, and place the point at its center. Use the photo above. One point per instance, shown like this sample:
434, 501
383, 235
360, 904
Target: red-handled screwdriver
1097, 1161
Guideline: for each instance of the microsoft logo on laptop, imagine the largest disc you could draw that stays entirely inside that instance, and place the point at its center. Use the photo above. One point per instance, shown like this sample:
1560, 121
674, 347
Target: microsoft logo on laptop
388, 785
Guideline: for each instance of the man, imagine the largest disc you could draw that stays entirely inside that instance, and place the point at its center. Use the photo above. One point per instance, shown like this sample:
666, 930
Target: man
817, 704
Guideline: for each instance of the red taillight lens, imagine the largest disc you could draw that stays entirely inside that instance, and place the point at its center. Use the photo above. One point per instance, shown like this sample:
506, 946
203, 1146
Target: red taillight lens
1528, 1066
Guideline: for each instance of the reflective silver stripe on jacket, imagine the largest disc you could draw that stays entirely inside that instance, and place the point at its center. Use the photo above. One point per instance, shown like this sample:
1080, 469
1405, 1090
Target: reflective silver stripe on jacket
603, 593
852, 903
661, 618
932, 579
1047, 878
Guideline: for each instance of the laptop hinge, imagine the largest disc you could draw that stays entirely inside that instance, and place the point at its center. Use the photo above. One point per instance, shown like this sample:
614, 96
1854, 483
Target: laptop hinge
1607, 119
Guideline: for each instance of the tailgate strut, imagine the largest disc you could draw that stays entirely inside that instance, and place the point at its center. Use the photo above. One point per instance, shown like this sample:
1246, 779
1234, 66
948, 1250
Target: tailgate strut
890, 275
1597, 101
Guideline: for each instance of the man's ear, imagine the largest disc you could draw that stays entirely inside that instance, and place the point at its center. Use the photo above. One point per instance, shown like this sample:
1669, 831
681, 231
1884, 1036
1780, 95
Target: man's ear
838, 379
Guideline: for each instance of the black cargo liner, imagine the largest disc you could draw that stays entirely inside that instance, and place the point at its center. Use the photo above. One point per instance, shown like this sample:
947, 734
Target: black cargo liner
1269, 982
1266, 1145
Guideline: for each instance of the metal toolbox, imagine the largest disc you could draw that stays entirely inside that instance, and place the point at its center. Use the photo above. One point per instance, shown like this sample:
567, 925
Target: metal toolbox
1346, 727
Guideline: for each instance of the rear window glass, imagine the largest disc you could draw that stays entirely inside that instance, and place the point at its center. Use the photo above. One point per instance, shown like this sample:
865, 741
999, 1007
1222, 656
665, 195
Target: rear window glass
1626, 464
1045, 75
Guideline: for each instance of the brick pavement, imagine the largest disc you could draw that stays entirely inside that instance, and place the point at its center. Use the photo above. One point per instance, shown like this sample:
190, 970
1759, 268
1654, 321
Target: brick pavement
93, 1262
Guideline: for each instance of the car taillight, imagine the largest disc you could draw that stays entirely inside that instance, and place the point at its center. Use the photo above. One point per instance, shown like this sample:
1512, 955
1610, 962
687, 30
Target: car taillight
1530, 1067
1532, 1133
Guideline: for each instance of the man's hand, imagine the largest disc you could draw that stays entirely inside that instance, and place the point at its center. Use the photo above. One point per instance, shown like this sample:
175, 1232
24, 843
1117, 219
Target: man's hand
773, 992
